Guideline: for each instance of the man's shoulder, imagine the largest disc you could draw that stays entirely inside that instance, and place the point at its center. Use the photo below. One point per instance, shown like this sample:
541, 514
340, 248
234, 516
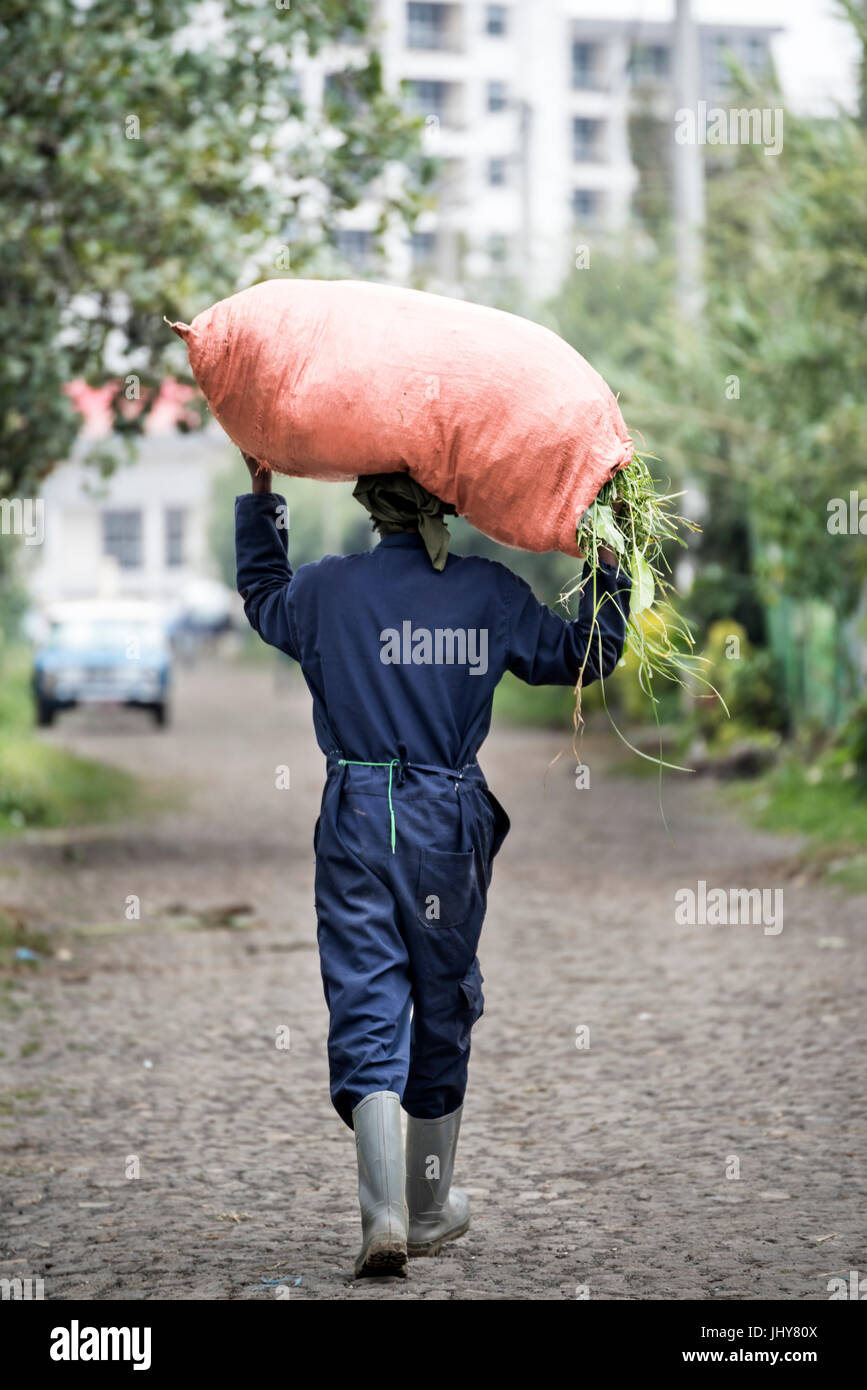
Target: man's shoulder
484, 567
327, 567
493, 574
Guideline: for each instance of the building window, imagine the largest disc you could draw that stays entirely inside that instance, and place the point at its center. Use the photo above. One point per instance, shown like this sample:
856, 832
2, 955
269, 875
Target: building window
498, 96
496, 20
649, 62
497, 171
585, 139
585, 58
429, 99
176, 528
720, 74
498, 248
757, 55
585, 204
122, 538
355, 247
427, 26
424, 246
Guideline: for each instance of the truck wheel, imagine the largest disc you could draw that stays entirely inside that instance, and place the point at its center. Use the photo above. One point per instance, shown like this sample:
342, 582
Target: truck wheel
160, 712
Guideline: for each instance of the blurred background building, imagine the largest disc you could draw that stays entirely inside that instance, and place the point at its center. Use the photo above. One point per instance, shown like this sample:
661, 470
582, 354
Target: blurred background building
528, 106
142, 531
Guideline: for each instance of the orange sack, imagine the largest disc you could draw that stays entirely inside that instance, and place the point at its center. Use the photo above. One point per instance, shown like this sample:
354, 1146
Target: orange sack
488, 411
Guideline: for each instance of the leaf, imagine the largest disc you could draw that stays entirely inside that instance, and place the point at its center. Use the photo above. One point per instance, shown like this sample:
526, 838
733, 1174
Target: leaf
607, 530
643, 587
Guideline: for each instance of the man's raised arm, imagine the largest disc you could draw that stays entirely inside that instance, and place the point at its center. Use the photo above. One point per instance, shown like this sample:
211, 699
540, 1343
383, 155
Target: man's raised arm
263, 573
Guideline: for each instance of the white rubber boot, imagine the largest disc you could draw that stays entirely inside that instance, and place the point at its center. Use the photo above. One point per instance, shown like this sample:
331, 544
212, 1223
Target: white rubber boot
381, 1183
437, 1211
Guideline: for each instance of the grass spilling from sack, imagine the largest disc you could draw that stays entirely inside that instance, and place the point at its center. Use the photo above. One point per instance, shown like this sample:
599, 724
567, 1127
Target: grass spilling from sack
639, 524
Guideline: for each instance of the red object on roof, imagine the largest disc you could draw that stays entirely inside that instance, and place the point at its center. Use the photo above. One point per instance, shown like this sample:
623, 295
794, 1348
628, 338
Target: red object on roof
171, 406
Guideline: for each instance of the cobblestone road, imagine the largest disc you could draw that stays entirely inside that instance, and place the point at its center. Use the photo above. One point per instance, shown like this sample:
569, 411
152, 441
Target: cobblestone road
712, 1050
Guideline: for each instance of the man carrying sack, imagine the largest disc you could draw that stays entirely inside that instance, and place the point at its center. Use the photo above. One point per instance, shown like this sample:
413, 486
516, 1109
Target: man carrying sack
402, 648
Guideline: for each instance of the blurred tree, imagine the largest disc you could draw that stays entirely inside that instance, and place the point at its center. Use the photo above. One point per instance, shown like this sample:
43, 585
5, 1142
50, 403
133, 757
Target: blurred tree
762, 403
156, 156
650, 145
787, 307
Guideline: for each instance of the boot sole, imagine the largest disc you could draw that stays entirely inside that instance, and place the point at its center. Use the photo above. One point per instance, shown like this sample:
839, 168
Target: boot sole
383, 1260
435, 1246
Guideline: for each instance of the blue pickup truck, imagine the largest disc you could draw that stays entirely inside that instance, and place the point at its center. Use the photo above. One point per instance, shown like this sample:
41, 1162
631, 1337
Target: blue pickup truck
101, 653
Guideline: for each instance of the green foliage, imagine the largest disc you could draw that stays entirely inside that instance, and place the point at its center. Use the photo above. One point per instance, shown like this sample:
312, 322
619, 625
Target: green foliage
760, 405
44, 786
851, 746
13, 605
819, 802
788, 298
757, 699
544, 707
41, 785
151, 166
16, 705
749, 683
793, 798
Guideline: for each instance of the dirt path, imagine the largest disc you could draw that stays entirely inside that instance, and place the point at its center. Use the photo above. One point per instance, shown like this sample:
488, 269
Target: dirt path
712, 1048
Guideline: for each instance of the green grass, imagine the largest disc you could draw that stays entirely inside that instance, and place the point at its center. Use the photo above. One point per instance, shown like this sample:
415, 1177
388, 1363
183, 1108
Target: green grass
42, 786
815, 801
16, 703
787, 799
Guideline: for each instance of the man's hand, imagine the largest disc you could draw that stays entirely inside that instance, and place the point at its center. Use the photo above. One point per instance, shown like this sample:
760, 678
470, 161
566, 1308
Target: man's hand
260, 476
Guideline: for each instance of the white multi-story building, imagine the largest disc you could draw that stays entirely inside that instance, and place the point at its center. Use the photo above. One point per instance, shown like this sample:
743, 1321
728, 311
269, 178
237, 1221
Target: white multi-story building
527, 104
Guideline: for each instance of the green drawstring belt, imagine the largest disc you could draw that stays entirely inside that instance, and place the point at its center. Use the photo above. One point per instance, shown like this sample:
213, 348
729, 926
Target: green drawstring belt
356, 762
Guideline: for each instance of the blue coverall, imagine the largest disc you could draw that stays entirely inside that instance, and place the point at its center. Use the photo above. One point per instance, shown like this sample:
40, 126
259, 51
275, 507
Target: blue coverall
402, 662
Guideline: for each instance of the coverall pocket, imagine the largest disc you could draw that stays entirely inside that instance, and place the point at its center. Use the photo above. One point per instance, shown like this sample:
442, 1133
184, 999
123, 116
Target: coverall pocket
446, 883
471, 1004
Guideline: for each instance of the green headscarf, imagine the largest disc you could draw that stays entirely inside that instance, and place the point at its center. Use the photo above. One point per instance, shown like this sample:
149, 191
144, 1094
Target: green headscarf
396, 502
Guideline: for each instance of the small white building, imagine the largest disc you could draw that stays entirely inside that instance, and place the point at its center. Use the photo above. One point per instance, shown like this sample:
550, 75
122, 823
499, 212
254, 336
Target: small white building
142, 532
